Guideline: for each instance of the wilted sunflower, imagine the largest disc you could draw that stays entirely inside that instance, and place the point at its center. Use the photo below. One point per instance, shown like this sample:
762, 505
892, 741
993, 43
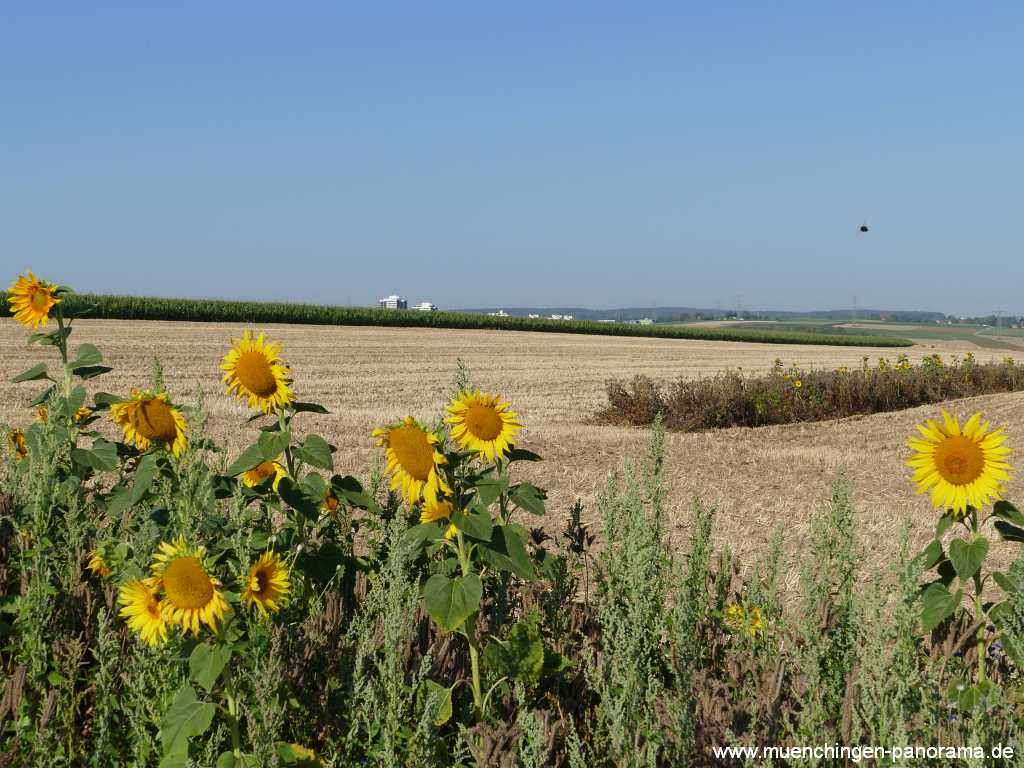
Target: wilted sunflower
16, 439
190, 592
330, 503
267, 583
31, 300
43, 414
413, 459
147, 418
254, 371
482, 423
438, 509
141, 608
960, 466
261, 472
98, 565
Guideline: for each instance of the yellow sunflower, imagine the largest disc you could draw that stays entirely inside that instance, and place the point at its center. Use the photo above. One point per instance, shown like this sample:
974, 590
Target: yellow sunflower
756, 625
438, 509
413, 459
261, 472
43, 414
734, 617
31, 300
267, 584
330, 505
147, 418
190, 592
960, 466
254, 371
483, 423
97, 564
16, 439
141, 608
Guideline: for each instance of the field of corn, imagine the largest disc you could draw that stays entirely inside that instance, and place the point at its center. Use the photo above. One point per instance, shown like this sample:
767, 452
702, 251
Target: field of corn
209, 310
166, 603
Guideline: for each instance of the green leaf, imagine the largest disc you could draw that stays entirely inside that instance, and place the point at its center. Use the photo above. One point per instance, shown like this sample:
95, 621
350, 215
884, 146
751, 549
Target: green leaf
488, 491
943, 525
37, 371
1009, 532
309, 408
939, 605
92, 371
299, 497
147, 469
296, 756
450, 601
104, 400
102, 457
518, 454
251, 457
475, 522
967, 557
417, 535
528, 497
439, 701
519, 656
207, 662
1007, 511
932, 554
507, 552
43, 396
51, 339
119, 501
187, 718
272, 444
1009, 583
317, 452
87, 354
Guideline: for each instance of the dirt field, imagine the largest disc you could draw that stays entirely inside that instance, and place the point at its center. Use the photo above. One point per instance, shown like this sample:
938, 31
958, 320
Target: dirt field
367, 376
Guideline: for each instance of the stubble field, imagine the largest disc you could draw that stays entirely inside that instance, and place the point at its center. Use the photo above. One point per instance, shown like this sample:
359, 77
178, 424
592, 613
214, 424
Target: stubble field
368, 376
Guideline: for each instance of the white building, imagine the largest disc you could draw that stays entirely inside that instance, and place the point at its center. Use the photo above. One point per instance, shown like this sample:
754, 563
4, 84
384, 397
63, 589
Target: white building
393, 302
499, 313
425, 306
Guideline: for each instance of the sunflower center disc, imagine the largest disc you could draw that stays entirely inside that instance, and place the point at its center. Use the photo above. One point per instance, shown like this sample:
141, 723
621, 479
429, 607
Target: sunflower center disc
260, 581
413, 451
38, 300
154, 421
253, 370
187, 584
959, 460
483, 422
262, 472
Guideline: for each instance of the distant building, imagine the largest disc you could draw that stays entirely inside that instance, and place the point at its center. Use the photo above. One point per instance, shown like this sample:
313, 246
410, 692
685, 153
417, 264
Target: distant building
499, 313
533, 315
560, 317
645, 321
393, 302
425, 306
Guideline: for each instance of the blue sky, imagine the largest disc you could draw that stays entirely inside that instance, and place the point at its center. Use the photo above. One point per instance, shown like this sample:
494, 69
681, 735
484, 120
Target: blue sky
591, 154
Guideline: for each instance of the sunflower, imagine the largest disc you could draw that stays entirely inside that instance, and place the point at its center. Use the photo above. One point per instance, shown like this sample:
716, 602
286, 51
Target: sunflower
438, 509
142, 609
16, 439
734, 617
31, 300
960, 466
190, 593
261, 472
483, 423
43, 414
254, 370
98, 565
756, 625
147, 418
267, 584
330, 503
413, 459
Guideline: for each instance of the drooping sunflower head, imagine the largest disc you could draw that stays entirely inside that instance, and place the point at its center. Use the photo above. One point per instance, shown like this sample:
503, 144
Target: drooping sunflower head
190, 592
43, 414
413, 459
253, 371
330, 503
262, 471
960, 466
267, 584
31, 300
483, 423
98, 565
439, 509
16, 440
141, 607
146, 418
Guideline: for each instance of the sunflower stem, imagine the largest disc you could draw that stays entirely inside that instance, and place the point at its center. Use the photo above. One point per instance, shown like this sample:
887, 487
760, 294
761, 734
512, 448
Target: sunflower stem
236, 739
469, 626
62, 345
979, 610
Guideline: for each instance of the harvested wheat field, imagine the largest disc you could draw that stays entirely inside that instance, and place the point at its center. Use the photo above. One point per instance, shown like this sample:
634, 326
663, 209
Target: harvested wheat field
367, 376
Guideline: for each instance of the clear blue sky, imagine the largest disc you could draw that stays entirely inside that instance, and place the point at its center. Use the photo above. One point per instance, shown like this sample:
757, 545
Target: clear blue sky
481, 154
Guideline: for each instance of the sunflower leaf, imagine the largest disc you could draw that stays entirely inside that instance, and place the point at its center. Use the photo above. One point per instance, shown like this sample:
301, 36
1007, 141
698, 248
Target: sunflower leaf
309, 408
91, 371
317, 452
251, 457
967, 557
299, 498
37, 371
528, 497
272, 444
939, 604
507, 552
1007, 511
417, 535
87, 355
519, 656
521, 454
1009, 532
102, 457
475, 522
188, 717
439, 701
147, 469
932, 554
450, 601
207, 662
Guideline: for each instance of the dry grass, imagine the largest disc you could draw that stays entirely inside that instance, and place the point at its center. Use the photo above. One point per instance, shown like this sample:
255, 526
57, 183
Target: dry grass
367, 376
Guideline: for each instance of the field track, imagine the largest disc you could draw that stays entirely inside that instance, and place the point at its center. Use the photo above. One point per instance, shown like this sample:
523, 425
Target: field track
367, 376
